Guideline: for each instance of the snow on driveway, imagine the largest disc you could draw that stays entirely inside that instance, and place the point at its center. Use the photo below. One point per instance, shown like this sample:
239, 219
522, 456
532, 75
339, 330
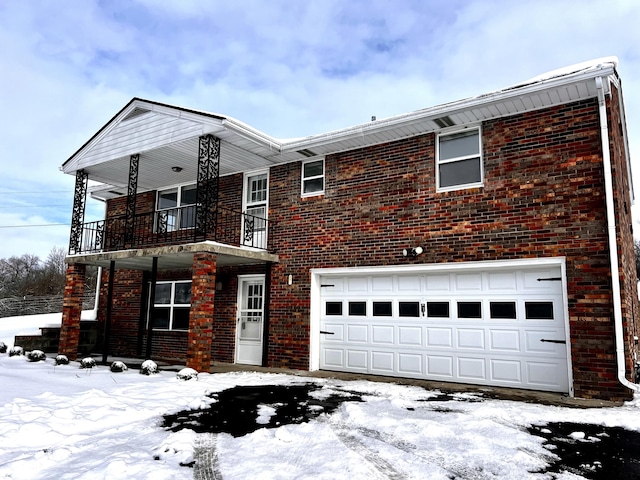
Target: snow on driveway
62, 422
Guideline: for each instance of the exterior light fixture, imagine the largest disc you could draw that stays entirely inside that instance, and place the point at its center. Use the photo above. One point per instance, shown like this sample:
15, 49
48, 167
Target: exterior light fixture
412, 252
176, 169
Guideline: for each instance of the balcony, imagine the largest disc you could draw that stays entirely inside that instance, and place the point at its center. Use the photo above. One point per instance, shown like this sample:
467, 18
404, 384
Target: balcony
173, 226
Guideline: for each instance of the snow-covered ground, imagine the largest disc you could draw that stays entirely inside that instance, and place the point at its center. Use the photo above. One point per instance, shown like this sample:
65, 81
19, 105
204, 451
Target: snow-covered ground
61, 422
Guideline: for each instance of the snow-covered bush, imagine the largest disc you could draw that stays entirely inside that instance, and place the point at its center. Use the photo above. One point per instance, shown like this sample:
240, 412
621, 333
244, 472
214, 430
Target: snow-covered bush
87, 362
61, 360
15, 351
149, 367
3, 347
187, 374
118, 366
36, 356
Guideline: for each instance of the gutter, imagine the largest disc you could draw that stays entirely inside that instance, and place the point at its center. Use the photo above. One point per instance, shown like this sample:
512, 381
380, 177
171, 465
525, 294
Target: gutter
613, 244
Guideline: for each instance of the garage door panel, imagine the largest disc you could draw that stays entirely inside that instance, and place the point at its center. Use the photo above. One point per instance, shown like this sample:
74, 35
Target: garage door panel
479, 327
471, 368
357, 359
440, 366
410, 336
333, 357
502, 281
506, 371
535, 344
335, 332
468, 282
382, 362
438, 283
504, 340
410, 364
439, 337
357, 333
470, 338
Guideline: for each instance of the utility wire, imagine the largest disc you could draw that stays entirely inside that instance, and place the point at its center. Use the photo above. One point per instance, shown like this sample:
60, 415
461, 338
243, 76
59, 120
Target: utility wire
42, 225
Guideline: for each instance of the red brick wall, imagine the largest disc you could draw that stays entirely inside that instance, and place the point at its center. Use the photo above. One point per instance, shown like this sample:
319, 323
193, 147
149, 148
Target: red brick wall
71, 310
624, 227
543, 196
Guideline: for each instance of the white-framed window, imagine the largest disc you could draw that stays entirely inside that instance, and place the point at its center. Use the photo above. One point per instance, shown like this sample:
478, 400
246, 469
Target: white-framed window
176, 208
255, 207
312, 178
171, 305
459, 160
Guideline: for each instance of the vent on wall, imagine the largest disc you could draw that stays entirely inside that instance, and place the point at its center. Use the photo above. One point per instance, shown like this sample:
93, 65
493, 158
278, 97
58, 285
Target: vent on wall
136, 112
444, 122
306, 153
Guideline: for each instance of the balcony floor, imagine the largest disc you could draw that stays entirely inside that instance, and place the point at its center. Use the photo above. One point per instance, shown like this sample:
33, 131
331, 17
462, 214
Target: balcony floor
174, 257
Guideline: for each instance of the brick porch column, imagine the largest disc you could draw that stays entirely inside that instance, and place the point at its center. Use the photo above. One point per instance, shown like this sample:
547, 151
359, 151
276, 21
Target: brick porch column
203, 289
71, 310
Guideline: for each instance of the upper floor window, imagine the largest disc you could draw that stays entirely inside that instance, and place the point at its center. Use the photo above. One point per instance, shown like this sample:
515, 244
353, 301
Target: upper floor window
312, 178
176, 208
459, 161
254, 220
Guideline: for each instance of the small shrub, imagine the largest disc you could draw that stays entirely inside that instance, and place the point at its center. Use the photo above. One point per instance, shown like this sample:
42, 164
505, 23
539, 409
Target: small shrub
61, 360
187, 374
149, 367
118, 366
15, 351
3, 347
36, 356
87, 362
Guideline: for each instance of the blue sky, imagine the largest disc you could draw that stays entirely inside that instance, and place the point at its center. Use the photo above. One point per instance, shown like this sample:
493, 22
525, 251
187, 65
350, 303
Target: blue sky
287, 67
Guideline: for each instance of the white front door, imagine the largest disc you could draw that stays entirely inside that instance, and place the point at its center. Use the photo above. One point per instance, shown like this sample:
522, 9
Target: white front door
250, 319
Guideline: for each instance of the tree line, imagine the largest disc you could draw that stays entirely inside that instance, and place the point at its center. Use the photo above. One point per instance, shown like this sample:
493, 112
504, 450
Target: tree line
27, 275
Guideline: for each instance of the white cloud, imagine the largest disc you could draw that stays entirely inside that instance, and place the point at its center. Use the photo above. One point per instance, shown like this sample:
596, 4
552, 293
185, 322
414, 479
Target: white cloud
286, 67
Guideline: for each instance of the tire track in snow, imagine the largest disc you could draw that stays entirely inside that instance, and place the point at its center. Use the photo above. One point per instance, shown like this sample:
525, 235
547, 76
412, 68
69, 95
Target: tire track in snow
381, 466
205, 455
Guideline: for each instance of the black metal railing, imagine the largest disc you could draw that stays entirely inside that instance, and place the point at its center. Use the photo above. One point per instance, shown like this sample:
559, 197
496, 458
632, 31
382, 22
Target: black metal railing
173, 226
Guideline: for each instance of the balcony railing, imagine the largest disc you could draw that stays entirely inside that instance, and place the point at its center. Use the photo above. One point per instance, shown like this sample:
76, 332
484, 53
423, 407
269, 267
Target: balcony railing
170, 227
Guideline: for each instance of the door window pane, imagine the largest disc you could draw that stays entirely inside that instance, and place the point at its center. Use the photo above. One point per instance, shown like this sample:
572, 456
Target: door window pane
382, 309
539, 310
469, 310
503, 310
333, 308
357, 309
409, 309
438, 309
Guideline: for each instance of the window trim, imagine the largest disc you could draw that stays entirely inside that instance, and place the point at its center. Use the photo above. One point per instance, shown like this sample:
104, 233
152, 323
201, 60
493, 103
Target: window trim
479, 156
303, 179
171, 305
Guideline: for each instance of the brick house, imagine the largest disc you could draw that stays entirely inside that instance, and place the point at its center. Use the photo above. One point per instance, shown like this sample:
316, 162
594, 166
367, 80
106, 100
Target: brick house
471, 242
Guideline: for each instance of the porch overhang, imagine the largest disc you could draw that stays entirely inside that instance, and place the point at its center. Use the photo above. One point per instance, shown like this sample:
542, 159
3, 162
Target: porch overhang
174, 257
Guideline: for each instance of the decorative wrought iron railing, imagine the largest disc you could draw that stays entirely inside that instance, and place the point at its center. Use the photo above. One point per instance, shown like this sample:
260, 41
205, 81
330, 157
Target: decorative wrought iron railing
173, 226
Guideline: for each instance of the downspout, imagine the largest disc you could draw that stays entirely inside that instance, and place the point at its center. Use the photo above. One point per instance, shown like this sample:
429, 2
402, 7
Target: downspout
613, 244
96, 304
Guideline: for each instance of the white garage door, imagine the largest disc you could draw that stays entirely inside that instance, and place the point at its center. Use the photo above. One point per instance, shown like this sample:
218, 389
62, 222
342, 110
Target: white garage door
497, 327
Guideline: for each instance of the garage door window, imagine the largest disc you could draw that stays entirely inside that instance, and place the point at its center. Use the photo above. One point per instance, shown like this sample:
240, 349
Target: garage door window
469, 310
502, 310
382, 309
333, 308
438, 309
409, 309
357, 309
539, 310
